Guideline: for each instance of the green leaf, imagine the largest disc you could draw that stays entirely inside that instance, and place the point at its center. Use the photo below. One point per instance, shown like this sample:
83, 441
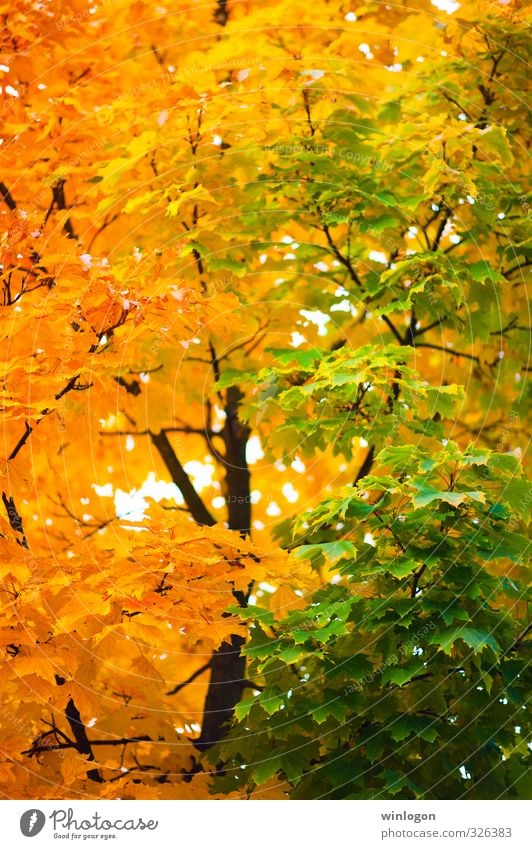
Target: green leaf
334, 708
387, 198
442, 399
395, 782
475, 457
331, 551
265, 770
421, 726
493, 140
401, 674
375, 746
271, 699
506, 464
354, 668
260, 645
243, 708
296, 762
400, 566
304, 359
399, 456
233, 377
334, 628
290, 654
427, 494
482, 271
300, 636
508, 544
518, 494
475, 638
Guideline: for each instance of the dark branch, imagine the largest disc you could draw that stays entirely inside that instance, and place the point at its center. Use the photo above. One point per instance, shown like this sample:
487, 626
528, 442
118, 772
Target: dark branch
221, 15
37, 748
518, 267
450, 351
132, 387
70, 385
430, 326
59, 201
14, 519
394, 330
190, 679
520, 641
455, 102
366, 466
82, 743
348, 265
415, 583
185, 429
181, 479
441, 228
343, 260
7, 197
21, 441
100, 229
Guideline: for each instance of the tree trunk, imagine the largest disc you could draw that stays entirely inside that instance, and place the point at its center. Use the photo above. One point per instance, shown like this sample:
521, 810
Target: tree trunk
225, 691
227, 664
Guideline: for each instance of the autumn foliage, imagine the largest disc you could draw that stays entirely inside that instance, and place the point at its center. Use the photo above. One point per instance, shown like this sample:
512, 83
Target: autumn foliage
264, 348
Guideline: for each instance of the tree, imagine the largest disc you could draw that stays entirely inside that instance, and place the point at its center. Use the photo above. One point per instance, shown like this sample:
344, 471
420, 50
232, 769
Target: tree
264, 349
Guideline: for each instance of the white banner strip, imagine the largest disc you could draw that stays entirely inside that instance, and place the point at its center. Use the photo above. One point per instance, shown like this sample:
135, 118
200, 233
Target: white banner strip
256, 825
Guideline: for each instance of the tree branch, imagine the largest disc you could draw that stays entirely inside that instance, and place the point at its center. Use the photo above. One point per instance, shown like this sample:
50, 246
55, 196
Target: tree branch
79, 731
346, 262
366, 465
221, 15
394, 330
515, 646
7, 197
194, 503
343, 260
37, 749
132, 387
14, 519
70, 385
59, 201
518, 267
441, 228
25, 436
185, 429
190, 679
450, 351
225, 691
415, 583
429, 326
455, 102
